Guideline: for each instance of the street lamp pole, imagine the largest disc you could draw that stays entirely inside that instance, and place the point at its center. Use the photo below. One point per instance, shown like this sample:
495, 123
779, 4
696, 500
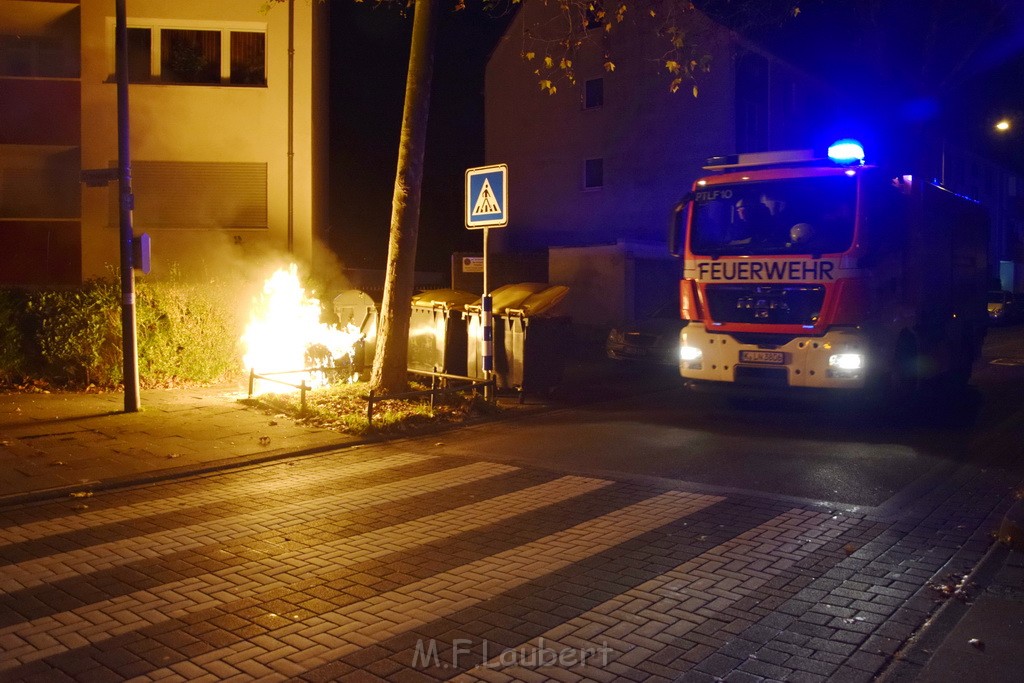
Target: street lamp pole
129, 344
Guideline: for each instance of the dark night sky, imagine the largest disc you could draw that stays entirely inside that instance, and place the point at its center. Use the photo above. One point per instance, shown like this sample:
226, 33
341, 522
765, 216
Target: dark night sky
368, 63
369, 57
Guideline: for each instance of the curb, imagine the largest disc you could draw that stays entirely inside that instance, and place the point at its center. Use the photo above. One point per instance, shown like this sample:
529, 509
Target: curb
169, 474
908, 663
1011, 531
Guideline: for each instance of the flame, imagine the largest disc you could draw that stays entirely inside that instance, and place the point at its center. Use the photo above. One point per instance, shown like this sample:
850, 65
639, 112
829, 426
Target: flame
286, 340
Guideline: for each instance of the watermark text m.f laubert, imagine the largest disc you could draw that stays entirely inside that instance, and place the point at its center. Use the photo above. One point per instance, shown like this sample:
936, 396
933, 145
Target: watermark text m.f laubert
427, 654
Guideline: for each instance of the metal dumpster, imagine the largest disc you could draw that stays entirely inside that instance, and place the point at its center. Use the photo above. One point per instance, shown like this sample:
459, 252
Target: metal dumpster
356, 308
501, 299
535, 342
437, 335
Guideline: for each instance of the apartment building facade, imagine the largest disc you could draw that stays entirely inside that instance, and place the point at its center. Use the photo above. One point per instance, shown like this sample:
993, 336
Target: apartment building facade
228, 162
595, 169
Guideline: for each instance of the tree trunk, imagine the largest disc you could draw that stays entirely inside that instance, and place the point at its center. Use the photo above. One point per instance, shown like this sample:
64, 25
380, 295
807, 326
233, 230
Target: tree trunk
390, 364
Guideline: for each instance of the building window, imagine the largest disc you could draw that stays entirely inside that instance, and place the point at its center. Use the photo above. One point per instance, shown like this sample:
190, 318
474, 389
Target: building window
593, 93
36, 56
593, 174
189, 56
248, 58
194, 56
139, 50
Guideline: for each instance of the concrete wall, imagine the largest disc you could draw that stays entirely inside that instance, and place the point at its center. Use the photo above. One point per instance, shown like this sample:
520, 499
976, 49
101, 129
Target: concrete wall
613, 283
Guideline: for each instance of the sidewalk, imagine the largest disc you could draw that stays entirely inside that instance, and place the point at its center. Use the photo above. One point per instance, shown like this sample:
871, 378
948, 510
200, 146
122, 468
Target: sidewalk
58, 445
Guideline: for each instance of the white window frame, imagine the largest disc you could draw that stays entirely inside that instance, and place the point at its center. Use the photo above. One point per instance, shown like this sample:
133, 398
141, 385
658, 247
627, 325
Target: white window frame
157, 25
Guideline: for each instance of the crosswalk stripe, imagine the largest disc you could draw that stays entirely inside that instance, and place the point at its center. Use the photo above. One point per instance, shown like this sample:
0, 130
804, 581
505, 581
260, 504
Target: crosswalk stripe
86, 520
673, 603
371, 621
118, 553
139, 609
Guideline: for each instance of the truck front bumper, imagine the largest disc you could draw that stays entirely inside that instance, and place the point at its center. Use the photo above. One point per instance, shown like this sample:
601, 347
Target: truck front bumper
840, 359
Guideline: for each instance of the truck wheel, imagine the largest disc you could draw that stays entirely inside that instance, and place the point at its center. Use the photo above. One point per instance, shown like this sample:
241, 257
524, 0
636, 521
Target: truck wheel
905, 377
961, 365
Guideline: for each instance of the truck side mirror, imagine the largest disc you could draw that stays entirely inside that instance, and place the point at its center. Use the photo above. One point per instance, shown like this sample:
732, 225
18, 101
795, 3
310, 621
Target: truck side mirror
676, 225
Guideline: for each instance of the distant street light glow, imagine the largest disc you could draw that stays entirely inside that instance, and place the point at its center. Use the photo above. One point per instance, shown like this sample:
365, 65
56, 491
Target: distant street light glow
1003, 125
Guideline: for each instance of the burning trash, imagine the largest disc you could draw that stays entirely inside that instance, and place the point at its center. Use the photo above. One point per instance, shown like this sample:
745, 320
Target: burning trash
285, 338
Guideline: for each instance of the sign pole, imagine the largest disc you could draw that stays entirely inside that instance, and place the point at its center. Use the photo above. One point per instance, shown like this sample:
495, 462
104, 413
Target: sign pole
488, 326
487, 207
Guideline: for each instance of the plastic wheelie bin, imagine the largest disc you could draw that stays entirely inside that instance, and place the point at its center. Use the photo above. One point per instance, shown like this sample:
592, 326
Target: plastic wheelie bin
536, 342
356, 308
502, 298
437, 335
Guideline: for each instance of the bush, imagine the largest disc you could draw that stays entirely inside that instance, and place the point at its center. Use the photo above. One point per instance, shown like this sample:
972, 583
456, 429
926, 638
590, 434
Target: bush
78, 333
185, 335
14, 357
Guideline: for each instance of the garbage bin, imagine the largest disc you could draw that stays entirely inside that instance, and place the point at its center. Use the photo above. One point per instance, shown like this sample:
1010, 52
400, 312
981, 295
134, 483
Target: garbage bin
437, 336
356, 308
535, 342
502, 298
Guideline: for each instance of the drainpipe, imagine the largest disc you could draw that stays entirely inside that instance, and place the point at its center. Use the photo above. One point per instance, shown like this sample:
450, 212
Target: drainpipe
291, 126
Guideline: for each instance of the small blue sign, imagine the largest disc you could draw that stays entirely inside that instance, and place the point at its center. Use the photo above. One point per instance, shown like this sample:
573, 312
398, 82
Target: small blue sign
487, 197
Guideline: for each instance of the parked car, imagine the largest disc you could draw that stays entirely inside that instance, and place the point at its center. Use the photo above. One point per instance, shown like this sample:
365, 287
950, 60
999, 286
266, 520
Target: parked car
652, 339
1002, 307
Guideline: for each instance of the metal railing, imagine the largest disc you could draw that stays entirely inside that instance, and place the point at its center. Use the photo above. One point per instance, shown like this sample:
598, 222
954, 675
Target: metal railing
301, 386
441, 383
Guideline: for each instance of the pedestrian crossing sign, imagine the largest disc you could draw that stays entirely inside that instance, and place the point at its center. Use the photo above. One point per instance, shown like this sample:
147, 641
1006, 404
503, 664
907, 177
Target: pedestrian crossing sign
487, 197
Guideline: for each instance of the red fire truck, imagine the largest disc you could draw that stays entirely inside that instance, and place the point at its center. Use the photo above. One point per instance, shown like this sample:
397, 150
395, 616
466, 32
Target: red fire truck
828, 273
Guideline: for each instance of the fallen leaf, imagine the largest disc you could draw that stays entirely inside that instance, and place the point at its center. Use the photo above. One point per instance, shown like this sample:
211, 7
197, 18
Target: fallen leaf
82, 494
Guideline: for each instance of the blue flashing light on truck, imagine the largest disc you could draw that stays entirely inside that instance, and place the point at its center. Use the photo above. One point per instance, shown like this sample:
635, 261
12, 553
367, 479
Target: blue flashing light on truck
828, 273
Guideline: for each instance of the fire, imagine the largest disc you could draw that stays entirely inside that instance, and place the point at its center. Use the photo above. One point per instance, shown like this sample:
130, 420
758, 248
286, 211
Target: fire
286, 340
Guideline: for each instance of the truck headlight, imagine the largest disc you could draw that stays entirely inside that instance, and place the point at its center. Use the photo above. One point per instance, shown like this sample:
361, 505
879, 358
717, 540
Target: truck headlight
690, 356
846, 364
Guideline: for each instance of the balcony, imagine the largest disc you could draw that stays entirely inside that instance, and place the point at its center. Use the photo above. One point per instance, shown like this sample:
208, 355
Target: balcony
40, 112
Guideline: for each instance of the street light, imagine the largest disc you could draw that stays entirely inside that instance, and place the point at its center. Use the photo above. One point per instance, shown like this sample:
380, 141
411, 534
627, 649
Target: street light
1003, 125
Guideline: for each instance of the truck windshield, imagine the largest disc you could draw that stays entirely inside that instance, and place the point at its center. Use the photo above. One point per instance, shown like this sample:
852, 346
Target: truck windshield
786, 216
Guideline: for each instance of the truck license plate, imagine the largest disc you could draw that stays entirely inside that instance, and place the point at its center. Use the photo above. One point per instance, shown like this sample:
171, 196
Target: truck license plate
769, 357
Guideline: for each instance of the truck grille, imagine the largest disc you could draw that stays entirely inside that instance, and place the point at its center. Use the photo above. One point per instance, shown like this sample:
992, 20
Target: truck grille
766, 304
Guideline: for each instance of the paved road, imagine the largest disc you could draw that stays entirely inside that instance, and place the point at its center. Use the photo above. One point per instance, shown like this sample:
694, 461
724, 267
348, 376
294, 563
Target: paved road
400, 563
655, 538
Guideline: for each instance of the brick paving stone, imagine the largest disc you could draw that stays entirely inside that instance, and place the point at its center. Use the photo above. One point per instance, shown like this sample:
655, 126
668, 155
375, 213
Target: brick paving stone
718, 664
811, 630
866, 661
743, 677
785, 649
850, 675
765, 670
771, 656
806, 677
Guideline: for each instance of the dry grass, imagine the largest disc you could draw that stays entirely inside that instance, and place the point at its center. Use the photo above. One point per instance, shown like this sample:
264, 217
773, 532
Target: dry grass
343, 408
